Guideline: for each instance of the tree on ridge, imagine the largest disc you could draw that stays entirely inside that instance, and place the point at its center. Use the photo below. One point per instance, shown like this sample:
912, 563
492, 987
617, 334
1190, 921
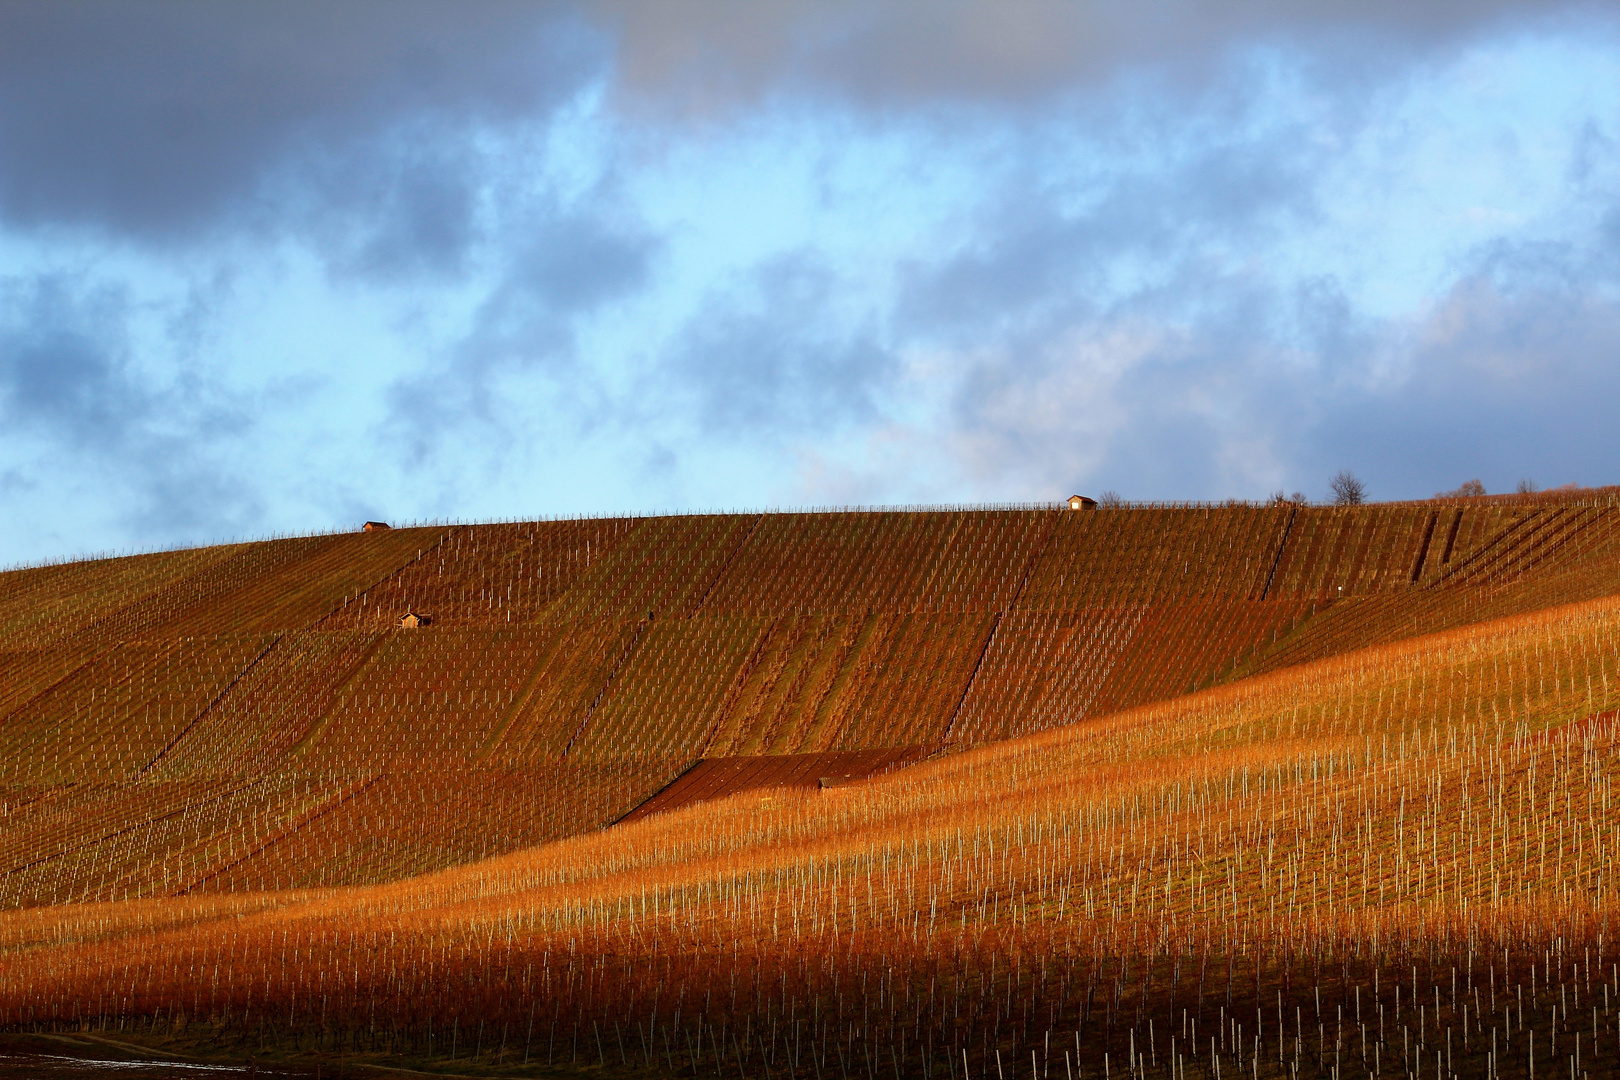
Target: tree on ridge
1347, 488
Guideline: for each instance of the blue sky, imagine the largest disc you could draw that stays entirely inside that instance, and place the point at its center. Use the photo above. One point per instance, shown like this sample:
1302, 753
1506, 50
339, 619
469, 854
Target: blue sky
287, 267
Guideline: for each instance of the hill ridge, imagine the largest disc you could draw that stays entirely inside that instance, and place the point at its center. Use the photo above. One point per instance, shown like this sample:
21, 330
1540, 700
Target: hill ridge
582, 664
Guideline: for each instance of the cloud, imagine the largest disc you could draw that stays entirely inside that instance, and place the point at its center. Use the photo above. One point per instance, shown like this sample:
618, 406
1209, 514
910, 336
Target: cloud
917, 250
703, 54
779, 353
158, 120
569, 262
1132, 403
165, 119
1239, 386
1120, 327
402, 206
1169, 297
1508, 378
74, 396
64, 364
1505, 374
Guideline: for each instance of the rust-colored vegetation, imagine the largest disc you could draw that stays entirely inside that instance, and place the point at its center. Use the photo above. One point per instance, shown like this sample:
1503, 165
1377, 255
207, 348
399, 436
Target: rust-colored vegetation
715, 778
1272, 791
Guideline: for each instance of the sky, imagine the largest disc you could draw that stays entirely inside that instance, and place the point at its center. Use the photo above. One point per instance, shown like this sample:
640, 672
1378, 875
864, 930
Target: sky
271, 268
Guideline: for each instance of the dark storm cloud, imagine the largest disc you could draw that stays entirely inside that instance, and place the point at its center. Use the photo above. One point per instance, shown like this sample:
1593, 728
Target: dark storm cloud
155, 119
772, 354
161, 118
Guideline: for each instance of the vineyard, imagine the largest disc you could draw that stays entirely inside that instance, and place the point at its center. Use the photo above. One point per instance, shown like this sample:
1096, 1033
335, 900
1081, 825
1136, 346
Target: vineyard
1012, 794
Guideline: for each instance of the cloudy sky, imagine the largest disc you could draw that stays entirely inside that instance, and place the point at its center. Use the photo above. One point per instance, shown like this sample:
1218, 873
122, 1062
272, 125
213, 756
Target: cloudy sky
285, 267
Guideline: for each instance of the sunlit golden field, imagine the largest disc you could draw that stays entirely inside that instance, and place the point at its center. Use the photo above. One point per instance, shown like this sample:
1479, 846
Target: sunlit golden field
1387, 859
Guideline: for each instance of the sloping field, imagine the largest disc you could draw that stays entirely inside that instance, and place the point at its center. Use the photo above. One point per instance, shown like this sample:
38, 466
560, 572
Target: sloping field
252, 716
1265, 792
1398, 860
714, 778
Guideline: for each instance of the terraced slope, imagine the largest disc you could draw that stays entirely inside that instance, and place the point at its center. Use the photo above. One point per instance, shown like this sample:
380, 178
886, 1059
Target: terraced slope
252, 717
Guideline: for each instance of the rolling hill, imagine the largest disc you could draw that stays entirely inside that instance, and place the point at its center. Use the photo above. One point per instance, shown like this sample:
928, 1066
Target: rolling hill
1278, 789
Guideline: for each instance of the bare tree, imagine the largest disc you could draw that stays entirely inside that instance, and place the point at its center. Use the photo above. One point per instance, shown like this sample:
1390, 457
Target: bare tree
1347, 488
1527, 487
1300, 497
1110, 499
1468, 489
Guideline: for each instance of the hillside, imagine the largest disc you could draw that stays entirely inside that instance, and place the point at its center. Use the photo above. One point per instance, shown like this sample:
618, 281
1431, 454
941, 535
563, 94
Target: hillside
1185, 763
